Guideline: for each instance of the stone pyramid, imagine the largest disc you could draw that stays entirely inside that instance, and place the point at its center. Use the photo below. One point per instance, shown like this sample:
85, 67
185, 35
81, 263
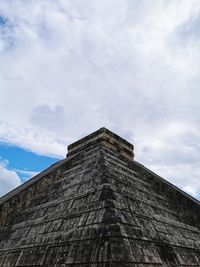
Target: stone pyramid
99, 208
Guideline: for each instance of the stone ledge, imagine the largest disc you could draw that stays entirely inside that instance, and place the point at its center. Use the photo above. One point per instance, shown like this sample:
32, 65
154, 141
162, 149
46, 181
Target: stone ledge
110, 140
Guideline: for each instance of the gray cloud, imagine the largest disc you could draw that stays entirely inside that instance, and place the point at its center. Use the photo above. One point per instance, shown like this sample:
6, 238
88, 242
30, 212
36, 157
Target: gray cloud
131, 66
45, 118
190, 30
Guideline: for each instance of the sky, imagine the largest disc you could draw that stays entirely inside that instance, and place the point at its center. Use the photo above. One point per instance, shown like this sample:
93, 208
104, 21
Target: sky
69, 67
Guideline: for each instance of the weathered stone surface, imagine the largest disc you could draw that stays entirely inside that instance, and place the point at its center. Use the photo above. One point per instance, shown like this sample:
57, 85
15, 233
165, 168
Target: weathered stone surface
99, 208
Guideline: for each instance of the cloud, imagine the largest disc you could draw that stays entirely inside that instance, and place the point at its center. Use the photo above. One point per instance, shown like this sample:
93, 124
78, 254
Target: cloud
185, 176
8, 179
71, 67
45, 118
25, 174
190, 29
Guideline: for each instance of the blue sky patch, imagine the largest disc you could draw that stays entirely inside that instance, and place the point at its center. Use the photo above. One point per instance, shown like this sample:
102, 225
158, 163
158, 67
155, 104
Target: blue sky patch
25, 163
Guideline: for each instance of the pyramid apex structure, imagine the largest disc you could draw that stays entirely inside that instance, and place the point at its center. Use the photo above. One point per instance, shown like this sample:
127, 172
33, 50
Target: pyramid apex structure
109, 139
99, 207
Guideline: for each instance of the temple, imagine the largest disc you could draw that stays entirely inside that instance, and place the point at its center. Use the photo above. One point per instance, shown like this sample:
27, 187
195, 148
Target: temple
98, 207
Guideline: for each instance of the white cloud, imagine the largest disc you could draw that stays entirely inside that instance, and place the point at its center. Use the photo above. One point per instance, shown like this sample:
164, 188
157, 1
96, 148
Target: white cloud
8, 179
70, 67
25, 174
